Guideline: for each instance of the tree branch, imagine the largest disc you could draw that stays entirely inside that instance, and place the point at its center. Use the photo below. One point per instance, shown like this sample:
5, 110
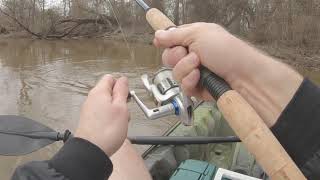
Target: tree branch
20, 24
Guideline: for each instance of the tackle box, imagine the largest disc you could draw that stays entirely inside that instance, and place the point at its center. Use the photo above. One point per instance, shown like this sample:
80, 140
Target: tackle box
201, 170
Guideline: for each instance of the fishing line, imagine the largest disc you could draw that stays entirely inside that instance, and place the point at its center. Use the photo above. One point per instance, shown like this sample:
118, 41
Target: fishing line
115, 14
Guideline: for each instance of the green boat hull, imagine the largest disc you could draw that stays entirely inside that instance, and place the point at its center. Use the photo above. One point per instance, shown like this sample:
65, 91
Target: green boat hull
163, 160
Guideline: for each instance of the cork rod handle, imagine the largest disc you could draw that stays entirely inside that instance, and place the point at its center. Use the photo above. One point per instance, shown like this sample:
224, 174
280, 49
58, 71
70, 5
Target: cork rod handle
244, 120
158, 20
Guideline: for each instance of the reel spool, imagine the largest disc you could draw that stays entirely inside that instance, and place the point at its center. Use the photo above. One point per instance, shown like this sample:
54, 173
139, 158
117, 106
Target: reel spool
167, 96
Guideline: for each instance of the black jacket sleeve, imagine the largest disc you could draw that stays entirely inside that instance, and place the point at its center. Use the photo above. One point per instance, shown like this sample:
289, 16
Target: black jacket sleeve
298, 129
78, 159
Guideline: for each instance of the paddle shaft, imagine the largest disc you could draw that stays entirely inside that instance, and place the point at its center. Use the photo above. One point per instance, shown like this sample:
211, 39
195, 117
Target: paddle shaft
243, 119
176, 140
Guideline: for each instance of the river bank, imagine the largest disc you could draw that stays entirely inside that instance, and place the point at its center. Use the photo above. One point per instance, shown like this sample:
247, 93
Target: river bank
299, 58
303, 59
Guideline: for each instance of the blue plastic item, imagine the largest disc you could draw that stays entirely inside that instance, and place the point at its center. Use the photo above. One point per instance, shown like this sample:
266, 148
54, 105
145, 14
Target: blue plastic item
194, 170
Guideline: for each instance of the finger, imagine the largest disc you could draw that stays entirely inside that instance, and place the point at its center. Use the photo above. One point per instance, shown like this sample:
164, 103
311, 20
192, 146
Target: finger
185, 25
171, 56
205, 95
189, 84
185, 66
105, 86
121, 91
157, 43
174, 37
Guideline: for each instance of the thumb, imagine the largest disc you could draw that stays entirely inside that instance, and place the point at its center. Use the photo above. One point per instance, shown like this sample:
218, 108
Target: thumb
174, 37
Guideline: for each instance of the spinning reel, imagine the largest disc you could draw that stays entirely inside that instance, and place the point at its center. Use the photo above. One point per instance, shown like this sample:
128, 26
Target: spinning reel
167, 96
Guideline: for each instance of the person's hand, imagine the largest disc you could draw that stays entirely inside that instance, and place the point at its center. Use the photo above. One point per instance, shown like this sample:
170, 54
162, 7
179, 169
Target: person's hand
266, 84
104, 117
209, 45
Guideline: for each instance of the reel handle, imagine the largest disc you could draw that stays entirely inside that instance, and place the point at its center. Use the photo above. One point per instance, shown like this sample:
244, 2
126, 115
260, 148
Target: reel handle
243, 119
155, 113
167, 96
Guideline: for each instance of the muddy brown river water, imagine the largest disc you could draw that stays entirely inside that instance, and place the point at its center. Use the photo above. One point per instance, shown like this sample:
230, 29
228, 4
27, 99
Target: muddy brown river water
48, 81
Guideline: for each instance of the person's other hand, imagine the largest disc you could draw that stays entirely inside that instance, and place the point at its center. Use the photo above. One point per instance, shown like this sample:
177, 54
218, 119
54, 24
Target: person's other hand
266, 84
104, 117
209, 45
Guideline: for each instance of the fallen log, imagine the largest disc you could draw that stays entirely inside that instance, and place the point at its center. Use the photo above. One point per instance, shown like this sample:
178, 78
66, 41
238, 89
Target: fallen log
75, 24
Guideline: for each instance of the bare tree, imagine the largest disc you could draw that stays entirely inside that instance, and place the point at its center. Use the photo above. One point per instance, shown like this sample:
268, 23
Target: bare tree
289, 22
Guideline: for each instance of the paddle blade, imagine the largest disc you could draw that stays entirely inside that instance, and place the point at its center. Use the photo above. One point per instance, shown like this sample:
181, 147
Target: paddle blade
12, 139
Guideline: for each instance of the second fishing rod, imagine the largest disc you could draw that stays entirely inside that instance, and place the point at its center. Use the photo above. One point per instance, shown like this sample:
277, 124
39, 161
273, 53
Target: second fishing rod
243, 119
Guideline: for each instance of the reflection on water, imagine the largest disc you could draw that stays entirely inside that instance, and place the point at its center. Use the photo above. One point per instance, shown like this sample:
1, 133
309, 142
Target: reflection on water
48, 81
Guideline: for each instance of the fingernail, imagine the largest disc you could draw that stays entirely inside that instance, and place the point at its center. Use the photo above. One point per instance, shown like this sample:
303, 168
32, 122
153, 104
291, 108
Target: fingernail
194, 75
156, 42
107, 76
160, 33
194, 58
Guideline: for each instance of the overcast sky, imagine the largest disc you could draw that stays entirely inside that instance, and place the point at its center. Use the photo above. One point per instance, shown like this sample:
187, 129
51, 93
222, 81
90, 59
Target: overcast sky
53, 2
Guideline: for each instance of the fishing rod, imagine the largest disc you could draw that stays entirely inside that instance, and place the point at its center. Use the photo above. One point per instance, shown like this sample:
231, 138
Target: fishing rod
21, 136
243, 119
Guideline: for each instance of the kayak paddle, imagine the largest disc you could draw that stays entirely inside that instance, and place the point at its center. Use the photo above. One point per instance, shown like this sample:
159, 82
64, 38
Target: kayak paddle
21, 136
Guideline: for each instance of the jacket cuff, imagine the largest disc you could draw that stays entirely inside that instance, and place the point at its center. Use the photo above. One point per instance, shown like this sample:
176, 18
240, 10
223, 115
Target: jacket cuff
297, 128
79, 159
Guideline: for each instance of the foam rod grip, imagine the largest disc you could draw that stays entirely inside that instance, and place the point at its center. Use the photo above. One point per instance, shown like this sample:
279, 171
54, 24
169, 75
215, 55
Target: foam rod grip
158, 20
258, 138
